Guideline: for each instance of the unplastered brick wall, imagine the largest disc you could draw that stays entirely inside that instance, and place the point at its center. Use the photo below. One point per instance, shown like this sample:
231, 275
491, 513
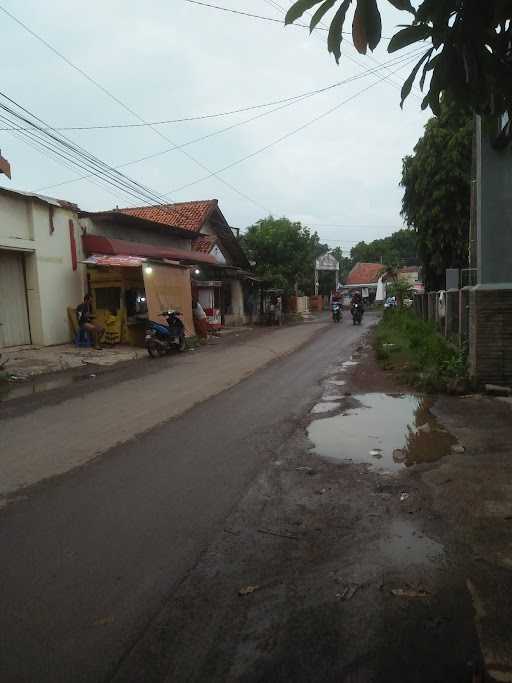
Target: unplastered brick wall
490, 330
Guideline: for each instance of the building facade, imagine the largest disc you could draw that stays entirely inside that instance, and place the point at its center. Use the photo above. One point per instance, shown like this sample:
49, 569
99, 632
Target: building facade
40, 271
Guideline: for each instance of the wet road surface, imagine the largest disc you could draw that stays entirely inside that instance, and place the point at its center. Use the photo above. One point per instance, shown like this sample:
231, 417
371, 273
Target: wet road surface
88, 558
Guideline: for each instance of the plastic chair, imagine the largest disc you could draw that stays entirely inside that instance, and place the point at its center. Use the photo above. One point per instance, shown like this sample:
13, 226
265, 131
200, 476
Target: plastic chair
82, 338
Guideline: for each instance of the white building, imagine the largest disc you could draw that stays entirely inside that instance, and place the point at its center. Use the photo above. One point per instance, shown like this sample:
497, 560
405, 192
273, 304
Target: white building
40, 271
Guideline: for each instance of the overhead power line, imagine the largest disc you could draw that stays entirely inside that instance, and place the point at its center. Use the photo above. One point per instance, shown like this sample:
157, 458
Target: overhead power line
291, 133
168, 150
251, 15
321, 26
39, 134
239, 110
128, 108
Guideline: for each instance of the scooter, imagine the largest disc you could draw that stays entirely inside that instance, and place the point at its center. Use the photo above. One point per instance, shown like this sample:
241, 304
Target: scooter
357, 314
336, 313
162, 339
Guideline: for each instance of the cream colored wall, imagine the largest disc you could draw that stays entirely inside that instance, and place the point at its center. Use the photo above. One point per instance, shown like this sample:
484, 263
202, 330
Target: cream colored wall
59, 285
15, 222
52, 285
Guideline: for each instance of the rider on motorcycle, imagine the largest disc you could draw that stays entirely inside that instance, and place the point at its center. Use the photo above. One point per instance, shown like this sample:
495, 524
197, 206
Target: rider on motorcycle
357, 299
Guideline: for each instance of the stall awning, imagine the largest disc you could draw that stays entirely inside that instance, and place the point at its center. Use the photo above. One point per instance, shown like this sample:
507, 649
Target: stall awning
121, 260
98, 244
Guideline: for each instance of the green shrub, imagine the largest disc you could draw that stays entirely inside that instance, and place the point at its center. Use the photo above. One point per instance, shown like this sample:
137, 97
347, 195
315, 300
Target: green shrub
432, 363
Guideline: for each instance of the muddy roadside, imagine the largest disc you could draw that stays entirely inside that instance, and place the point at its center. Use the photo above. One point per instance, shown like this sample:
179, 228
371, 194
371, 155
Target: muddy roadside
349, 559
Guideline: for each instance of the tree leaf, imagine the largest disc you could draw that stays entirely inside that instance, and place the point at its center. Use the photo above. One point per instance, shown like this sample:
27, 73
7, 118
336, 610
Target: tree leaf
426, 68
298, 9
335, 35
372, 22
403, 5
407, 36
359, 35
319, 14
407, 86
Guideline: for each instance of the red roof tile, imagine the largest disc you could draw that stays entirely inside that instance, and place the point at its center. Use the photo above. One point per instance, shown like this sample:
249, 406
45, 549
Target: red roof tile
365, 273
203, 244
185, 215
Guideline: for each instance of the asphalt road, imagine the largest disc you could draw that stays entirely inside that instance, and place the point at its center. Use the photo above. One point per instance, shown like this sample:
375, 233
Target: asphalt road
88, 558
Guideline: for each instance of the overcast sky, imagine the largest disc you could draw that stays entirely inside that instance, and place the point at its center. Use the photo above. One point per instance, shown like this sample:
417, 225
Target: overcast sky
168, 59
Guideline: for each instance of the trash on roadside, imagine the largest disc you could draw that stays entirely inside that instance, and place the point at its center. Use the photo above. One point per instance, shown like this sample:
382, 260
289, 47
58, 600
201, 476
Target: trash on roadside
92, 376
304, 468
458, 448
247, 590
425, 428
410, 593
348, 592
404, 496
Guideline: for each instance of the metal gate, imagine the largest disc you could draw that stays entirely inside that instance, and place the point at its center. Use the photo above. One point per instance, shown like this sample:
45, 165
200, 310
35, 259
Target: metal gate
14, 326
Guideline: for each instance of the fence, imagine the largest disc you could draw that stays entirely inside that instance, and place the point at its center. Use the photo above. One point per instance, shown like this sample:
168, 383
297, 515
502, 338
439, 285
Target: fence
449, 311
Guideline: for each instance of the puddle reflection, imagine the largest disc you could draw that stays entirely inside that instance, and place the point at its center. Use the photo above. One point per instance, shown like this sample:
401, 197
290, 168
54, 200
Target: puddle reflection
388, 431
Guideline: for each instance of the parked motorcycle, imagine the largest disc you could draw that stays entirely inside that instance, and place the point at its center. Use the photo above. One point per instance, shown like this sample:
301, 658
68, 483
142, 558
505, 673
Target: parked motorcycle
336, 313
162, 339
357, 313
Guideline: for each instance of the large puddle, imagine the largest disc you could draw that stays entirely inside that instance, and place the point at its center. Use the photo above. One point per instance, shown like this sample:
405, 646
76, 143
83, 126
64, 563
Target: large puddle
388, 431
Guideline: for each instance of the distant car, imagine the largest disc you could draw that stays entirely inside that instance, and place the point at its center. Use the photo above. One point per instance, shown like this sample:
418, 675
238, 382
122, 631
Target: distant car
390, 302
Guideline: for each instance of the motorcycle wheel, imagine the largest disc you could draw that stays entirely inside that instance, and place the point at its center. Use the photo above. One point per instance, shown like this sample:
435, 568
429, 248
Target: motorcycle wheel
155, 350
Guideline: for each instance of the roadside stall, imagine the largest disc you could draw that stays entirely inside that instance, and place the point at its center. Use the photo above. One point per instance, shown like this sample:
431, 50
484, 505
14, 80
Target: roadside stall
134, 282
129, 290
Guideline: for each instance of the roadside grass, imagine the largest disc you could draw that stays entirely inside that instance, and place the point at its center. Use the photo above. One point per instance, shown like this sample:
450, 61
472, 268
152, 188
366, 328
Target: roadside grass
418, 354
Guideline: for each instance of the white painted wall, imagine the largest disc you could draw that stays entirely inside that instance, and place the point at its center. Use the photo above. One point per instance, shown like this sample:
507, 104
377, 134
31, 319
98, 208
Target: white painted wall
52, 285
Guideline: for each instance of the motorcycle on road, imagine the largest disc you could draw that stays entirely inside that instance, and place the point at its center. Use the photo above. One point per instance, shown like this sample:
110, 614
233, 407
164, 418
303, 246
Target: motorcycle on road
357, 314
337, 314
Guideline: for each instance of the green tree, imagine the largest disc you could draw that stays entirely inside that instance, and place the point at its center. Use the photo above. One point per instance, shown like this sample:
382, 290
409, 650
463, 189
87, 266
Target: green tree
436, 179
283, 252
400, 248
467, 41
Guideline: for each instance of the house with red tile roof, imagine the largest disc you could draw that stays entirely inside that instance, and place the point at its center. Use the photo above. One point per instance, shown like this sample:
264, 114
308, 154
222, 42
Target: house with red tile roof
364, 278
365, 275
194, 236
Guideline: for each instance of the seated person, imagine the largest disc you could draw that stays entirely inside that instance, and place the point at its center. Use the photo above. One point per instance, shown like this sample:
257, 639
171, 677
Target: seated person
84, 317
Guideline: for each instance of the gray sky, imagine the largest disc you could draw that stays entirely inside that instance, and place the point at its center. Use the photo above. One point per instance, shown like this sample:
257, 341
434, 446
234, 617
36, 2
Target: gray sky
168, 59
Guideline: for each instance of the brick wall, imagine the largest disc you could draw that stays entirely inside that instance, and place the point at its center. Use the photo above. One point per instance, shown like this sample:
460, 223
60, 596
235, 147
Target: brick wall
490, 329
